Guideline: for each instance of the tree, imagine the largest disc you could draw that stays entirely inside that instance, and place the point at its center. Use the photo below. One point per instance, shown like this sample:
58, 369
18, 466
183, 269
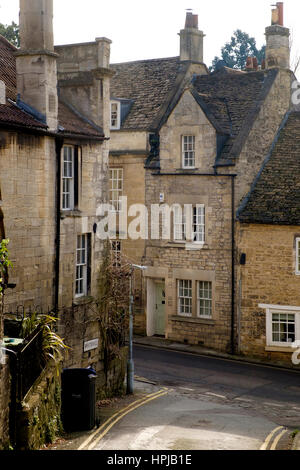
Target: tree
235, 53
11, 33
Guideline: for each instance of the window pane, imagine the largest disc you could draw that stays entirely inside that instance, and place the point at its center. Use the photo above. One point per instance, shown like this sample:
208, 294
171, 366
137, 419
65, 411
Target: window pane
116, 188
185, 300
204, 299
68, 178
188, 151
283, 328
81, 266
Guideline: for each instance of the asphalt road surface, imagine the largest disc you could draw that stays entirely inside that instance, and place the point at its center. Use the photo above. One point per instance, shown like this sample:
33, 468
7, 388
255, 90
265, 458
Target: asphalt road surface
211, 404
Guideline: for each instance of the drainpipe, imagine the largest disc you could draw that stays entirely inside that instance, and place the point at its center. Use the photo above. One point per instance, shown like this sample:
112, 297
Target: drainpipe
59, 145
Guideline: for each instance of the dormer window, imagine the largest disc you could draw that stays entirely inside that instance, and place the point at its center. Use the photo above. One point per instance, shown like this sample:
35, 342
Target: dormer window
115, 115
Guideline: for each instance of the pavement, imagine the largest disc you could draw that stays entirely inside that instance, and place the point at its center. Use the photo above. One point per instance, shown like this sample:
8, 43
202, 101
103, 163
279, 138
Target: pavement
162, 343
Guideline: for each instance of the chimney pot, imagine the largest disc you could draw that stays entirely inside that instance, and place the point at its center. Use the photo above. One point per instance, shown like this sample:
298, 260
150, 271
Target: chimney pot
249, 63
191, 21
277, 14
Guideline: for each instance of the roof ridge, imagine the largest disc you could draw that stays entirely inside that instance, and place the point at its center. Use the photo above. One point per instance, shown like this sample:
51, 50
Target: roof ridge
144, 60
264, 164
7, 42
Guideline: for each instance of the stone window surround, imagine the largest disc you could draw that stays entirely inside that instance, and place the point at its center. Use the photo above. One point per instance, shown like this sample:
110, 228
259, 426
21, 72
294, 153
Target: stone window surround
68, 177
195, 277
190, 244
271, 346
184, 152
82, 265
188, 199
76, 196
120, 177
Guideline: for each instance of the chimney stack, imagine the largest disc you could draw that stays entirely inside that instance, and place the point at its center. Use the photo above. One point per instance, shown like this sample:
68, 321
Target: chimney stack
277, 41
36, 59
191, 40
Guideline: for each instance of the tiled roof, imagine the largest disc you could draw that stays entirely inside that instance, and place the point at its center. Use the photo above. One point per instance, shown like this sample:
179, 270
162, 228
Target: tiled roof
275, 196
71, 123
8, 67
68, 119
147, 83
233, 97
10, 114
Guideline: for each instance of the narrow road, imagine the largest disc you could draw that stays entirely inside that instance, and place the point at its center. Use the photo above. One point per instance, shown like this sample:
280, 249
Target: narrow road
211, 404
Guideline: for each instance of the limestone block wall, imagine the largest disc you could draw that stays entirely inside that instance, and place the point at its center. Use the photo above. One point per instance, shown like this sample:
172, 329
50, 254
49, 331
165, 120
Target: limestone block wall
4, 406
187, 119
171, 261
93, 192
133, 250
269, 277
84, 79
39, 420
28, 175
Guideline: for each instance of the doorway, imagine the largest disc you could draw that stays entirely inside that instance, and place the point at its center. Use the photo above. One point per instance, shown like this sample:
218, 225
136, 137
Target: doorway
160, 309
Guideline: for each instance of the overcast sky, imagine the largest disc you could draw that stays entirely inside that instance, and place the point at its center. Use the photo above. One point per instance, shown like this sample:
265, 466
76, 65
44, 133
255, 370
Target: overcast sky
143, 29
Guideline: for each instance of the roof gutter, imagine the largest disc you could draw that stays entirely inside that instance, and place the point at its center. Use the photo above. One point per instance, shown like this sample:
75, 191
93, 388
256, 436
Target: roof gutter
39, 131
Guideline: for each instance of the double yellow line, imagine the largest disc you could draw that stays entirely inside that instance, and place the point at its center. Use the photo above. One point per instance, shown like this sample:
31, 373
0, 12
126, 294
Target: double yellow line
91, 442
280, 431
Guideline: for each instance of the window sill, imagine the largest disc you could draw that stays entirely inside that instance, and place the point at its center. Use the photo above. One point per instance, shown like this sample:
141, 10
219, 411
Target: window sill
85, 299
71, 213
194, 246
187, 169
199, 321
284, 349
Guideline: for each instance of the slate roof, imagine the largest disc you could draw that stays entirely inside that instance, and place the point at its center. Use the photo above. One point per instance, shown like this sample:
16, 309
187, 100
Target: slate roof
148, 83
275, 195
230, 98
68, 120
71, 122
234, 98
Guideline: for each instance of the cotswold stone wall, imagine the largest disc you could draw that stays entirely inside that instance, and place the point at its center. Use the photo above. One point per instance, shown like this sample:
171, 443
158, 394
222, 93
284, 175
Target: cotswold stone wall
4, 406
80, 325
39, 421
267, 278
28, 168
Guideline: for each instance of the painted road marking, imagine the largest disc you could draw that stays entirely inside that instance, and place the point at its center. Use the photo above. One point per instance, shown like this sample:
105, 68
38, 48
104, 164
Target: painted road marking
143, 379
274, 445
215, 395
270, 437
127, 409
98, 439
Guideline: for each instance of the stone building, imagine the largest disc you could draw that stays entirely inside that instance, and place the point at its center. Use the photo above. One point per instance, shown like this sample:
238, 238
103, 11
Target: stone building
268, 234
141, 92
206, 143
54, 136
